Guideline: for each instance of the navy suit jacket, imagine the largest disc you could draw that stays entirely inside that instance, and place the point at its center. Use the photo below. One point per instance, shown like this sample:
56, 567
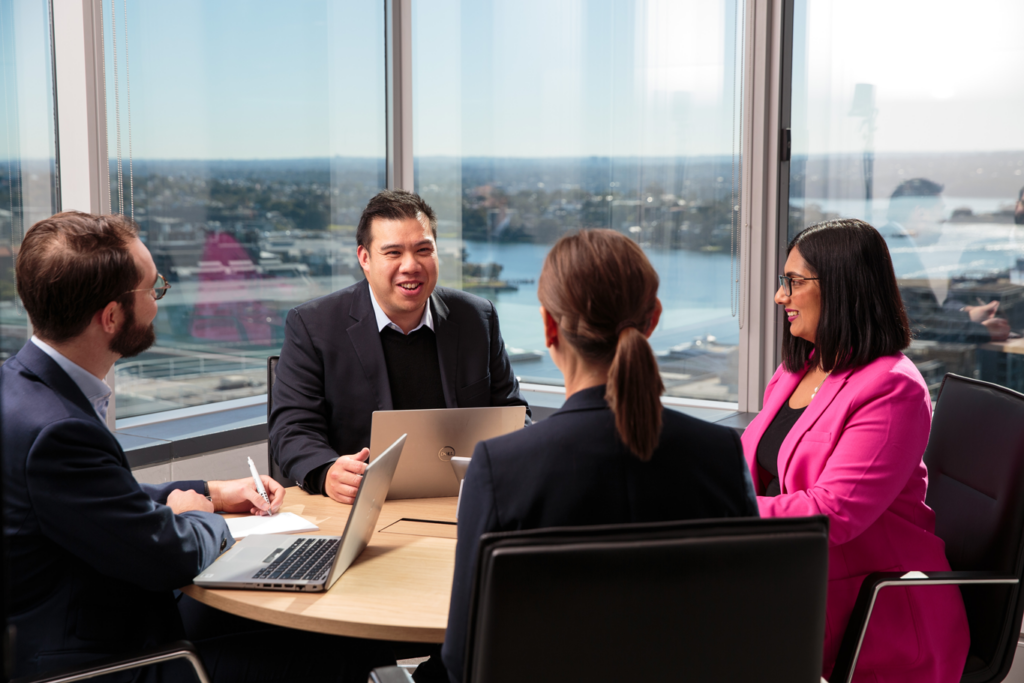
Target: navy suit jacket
331, 375
94, 556
573, 470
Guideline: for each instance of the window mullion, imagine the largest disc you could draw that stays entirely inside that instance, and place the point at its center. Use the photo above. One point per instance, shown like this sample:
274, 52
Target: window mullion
81, 114
398, 59
760, 198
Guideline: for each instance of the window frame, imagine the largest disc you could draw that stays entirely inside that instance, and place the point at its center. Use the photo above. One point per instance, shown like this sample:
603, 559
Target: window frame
82, 155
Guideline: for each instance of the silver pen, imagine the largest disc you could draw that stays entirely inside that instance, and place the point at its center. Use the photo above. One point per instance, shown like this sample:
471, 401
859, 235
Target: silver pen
259, 484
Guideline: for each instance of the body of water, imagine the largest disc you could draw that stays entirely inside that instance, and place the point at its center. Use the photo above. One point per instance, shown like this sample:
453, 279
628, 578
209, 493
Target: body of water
695, 286
694, 293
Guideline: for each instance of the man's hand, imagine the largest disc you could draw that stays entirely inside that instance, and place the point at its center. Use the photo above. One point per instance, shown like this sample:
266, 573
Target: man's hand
979, 314
345, 476
182, 501
998, 328
240, 495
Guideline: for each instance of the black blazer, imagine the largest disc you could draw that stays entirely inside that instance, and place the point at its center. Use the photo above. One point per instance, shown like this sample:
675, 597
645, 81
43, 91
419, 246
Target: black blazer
929, 319
331, 375
94, 556
573, 470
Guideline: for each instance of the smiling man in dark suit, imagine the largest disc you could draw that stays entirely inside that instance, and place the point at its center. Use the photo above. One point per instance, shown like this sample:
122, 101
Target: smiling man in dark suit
395, 341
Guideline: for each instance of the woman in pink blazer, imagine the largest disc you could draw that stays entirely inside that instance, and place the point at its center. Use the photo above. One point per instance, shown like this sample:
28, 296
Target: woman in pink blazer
844, 425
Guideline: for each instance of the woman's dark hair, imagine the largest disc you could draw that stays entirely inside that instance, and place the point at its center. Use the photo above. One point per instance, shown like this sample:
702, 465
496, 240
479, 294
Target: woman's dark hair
602, 291
72, 265
862, 316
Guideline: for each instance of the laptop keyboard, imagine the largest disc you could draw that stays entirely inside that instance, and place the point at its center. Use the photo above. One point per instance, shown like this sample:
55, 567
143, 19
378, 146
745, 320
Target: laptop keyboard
308, 559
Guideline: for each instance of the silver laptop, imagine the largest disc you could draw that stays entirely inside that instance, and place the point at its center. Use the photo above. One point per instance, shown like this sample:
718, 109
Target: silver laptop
435, 436
307, 563
460, 466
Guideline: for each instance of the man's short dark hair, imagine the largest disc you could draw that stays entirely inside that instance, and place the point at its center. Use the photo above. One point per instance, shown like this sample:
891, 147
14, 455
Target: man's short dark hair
70, 266
393, 205
917, 187
862, 316
913, 193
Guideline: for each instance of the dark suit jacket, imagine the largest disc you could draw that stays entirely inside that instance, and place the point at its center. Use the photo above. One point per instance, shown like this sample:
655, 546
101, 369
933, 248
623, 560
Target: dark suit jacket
928, 318
572, 470
94, 556
332, 376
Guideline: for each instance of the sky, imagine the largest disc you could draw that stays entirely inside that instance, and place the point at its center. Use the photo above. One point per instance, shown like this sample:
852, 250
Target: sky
26, 117
261, 79
947, 75
234, 79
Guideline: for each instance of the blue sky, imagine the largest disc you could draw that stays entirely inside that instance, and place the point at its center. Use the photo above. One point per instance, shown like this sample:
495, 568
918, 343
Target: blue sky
258, 79
26, 115
248, 79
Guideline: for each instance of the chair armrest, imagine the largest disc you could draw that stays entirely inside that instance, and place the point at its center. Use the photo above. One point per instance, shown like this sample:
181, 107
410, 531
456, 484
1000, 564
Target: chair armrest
849, 650
181, 649
390, 674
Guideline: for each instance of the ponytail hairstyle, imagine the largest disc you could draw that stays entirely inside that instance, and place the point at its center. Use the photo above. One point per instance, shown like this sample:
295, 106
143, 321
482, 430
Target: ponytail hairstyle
602, 291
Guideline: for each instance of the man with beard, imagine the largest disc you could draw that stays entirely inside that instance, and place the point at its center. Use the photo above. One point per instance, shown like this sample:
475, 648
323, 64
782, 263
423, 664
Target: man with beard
95, 557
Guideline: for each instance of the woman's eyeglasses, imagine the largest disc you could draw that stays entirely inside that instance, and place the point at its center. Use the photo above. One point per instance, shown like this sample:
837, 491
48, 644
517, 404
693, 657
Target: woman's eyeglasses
157, 290
786, 282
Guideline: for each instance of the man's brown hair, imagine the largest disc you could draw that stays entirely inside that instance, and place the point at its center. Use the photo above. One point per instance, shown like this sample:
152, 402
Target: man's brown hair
70, 266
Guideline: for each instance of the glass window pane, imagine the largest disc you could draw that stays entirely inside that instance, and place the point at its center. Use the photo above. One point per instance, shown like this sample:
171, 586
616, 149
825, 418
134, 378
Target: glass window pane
533, 119
245, 137
28, 179
914, 125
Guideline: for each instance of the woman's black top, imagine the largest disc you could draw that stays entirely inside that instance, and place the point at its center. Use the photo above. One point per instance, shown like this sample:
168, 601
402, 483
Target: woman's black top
771, 442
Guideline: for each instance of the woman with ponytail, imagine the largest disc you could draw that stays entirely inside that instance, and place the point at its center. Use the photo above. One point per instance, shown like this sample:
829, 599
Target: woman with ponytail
612, 454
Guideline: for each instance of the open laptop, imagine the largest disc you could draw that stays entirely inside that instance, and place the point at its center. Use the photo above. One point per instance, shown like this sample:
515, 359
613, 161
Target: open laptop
460, 466
435, 436
307, 563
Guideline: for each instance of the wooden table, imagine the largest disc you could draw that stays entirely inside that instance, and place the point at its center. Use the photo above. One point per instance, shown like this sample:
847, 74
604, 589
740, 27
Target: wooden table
1008, 346
398, 588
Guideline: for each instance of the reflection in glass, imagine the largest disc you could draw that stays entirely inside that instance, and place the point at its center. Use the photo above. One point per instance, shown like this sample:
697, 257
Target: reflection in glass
920, 136
256, 138
533, 119
28, 181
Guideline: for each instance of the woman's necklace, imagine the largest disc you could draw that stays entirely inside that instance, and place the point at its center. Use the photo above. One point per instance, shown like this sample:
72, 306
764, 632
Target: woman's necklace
815, 392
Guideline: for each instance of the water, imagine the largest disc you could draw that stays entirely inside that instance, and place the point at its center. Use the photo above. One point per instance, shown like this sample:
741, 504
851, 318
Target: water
694, 293
695, 286
855, 208
973, 249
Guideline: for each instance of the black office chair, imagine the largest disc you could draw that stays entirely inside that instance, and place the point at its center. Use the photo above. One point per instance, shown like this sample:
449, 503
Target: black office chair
975, 460
276, 473
158, 655
710, 600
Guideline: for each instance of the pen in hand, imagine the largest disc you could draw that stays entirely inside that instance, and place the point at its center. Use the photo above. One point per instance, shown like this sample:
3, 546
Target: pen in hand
259, 485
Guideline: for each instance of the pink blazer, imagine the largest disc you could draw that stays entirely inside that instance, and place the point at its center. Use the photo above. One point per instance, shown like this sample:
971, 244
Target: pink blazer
855, 456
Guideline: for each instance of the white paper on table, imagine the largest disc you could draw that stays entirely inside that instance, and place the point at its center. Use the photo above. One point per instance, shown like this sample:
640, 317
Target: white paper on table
281, 523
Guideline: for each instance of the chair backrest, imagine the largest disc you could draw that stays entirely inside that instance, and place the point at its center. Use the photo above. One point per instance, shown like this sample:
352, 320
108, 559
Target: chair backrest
705, 600
275, 470
975, 460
